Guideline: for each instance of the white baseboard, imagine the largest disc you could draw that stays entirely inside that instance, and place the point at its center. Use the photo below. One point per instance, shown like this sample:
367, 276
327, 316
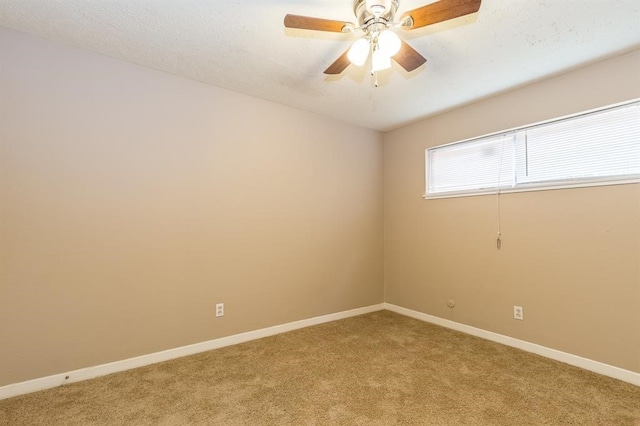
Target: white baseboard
55, 380
575, 360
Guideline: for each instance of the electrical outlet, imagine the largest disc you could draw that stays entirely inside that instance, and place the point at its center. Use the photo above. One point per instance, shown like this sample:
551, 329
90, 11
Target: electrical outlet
219, 309
451, 303
518, 312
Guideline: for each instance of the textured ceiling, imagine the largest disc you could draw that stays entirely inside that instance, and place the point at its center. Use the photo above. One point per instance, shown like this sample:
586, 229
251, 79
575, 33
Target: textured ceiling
242, 45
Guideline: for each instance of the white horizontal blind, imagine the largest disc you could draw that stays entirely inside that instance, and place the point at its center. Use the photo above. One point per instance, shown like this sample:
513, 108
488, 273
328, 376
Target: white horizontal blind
484, 164
593, 147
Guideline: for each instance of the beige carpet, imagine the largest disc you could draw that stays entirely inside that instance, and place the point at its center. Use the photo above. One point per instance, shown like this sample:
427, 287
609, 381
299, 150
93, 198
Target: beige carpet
375, 369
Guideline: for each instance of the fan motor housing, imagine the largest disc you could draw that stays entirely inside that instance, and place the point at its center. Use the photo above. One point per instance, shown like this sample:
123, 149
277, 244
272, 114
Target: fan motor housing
365, 16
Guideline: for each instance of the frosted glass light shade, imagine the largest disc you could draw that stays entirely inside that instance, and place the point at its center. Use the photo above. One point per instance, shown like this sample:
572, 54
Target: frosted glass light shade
389, 43
359, 52
380, 61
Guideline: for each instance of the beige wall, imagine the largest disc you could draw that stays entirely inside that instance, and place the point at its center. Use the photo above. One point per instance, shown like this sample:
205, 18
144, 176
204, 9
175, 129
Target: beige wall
131, 201
570, 257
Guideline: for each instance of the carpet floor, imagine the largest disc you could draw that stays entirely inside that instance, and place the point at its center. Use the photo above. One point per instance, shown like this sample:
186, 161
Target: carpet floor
376, 369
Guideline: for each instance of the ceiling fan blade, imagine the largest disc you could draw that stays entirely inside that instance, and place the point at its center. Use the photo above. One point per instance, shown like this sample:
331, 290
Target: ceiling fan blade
440, 11
408, 57
317, 24
339, 65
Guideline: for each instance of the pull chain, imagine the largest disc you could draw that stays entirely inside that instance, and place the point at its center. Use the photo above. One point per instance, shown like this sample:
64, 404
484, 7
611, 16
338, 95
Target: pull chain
498, 239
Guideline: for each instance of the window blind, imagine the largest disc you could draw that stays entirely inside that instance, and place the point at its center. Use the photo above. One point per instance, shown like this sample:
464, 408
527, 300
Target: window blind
603, 144
594, 147
484, 164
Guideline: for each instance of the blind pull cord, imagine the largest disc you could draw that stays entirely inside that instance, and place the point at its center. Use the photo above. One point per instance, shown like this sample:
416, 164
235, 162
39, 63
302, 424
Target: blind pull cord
498, 238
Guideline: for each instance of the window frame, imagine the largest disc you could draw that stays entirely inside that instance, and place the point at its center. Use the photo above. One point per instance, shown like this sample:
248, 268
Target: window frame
533, 186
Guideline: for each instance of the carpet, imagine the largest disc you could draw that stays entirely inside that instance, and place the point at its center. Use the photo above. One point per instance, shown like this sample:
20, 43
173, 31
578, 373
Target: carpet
375, 369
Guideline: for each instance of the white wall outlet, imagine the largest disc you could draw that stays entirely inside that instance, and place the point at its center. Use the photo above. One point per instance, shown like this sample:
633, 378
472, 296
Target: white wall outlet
451, 303
219, 309
518, 312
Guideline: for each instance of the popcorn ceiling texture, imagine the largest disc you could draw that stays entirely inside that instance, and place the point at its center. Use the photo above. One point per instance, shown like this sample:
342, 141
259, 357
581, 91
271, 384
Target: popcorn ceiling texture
243, 46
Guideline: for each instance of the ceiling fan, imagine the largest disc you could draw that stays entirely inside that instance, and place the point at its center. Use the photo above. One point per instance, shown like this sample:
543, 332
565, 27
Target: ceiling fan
376, 19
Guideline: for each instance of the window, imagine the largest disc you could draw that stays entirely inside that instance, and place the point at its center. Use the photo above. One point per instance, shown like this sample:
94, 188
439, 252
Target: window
595, 148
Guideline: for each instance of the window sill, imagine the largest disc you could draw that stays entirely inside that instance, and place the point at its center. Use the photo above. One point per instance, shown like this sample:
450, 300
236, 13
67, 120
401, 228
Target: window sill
537, 187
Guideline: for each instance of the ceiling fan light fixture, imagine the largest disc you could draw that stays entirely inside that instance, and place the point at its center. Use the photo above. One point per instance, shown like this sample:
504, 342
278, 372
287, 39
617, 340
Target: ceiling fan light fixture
389, 43
375, 18
359, 52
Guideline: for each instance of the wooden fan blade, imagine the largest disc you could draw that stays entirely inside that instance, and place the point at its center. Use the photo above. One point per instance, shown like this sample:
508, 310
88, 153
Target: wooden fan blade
440, 11
408, 57
317, 24
339, 65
